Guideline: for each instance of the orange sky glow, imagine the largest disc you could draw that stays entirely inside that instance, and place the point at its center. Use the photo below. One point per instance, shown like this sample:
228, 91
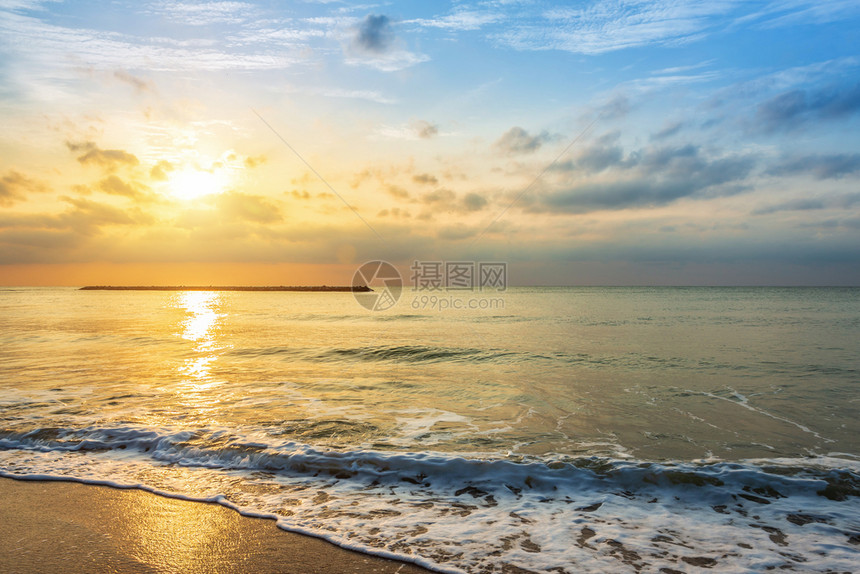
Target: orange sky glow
258, 144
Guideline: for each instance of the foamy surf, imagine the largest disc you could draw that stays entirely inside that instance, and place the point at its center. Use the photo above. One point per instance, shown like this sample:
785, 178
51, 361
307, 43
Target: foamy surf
461, 514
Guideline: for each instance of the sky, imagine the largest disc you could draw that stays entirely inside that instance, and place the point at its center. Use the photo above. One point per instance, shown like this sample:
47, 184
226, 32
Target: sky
582, 143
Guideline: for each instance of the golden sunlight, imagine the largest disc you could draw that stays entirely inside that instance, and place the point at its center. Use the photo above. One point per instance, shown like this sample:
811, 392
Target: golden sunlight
191, 183
202, 317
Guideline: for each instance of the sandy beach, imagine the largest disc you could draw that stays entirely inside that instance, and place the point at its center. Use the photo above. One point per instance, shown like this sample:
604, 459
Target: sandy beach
71, 527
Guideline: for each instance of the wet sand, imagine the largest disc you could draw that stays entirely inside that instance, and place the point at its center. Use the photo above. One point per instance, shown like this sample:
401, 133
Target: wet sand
48, 526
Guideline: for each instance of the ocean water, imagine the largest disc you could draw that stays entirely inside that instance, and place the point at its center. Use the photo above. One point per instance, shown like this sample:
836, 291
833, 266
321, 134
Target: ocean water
563, 430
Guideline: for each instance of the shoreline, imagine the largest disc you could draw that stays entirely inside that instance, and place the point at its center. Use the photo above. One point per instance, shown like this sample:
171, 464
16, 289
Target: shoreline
71, 526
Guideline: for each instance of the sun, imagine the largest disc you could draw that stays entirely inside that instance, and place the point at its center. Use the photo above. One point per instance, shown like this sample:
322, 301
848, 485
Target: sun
190, 183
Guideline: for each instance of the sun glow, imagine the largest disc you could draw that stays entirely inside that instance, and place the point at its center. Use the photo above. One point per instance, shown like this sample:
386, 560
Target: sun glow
190, 183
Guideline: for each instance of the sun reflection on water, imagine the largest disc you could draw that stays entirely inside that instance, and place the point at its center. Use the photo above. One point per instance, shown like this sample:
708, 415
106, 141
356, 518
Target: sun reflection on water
202, 317
196, 389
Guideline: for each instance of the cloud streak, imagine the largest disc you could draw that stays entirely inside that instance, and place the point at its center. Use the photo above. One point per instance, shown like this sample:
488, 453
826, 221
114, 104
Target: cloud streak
820, 166
803, 107
107, 159
606, 26
518, 141
15, 187
646, 178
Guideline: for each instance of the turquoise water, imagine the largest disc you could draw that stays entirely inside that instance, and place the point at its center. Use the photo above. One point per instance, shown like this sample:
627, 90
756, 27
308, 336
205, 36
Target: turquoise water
465, 440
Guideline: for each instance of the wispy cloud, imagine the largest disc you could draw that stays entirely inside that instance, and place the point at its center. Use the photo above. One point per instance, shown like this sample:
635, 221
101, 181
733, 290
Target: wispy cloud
114, 185
108, 159
830, 166
51, 46
605, 26
800, 12
645, 178
835, 202
461, 20
518, 141
368, 95
414, 130
204, 13
140, 85
800, 107
248, 207
667, 131
15, 187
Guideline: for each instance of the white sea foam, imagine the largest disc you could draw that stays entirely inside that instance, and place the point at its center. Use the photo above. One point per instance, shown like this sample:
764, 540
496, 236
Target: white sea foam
467, 515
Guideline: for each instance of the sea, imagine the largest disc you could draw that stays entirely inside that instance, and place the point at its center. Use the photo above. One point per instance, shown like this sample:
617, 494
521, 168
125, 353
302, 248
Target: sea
532, 430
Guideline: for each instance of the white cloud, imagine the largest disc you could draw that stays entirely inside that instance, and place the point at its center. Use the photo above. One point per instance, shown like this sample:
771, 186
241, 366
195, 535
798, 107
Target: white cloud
462, 20
205, 13
369, 95
412, 131
55, 47
389, 62
25, 4
607, 25
801, 12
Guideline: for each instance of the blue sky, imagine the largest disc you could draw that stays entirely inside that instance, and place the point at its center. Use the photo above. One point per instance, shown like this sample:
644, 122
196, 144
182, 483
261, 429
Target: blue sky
584, 142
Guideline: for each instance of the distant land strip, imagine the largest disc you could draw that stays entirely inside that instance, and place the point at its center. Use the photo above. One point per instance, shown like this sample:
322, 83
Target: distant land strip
313, 288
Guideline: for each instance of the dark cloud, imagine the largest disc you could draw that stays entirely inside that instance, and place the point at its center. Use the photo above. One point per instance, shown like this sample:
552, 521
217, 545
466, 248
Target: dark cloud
109, 159
89, 217
598, 158
15, 186
616, 108
474, 202
252, 208
446, 200
139, 85
10, 189
252, 162
114, 185
782, 111
654, 159
845, 201
438, 196
36, 245
425, 178
395, 212
794, 205
160, 170
397, 192
518, 141
424, 129
374, 34
648, 178
831, 166
667, 131
12, 220
96, 214
458, 233
796, 108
